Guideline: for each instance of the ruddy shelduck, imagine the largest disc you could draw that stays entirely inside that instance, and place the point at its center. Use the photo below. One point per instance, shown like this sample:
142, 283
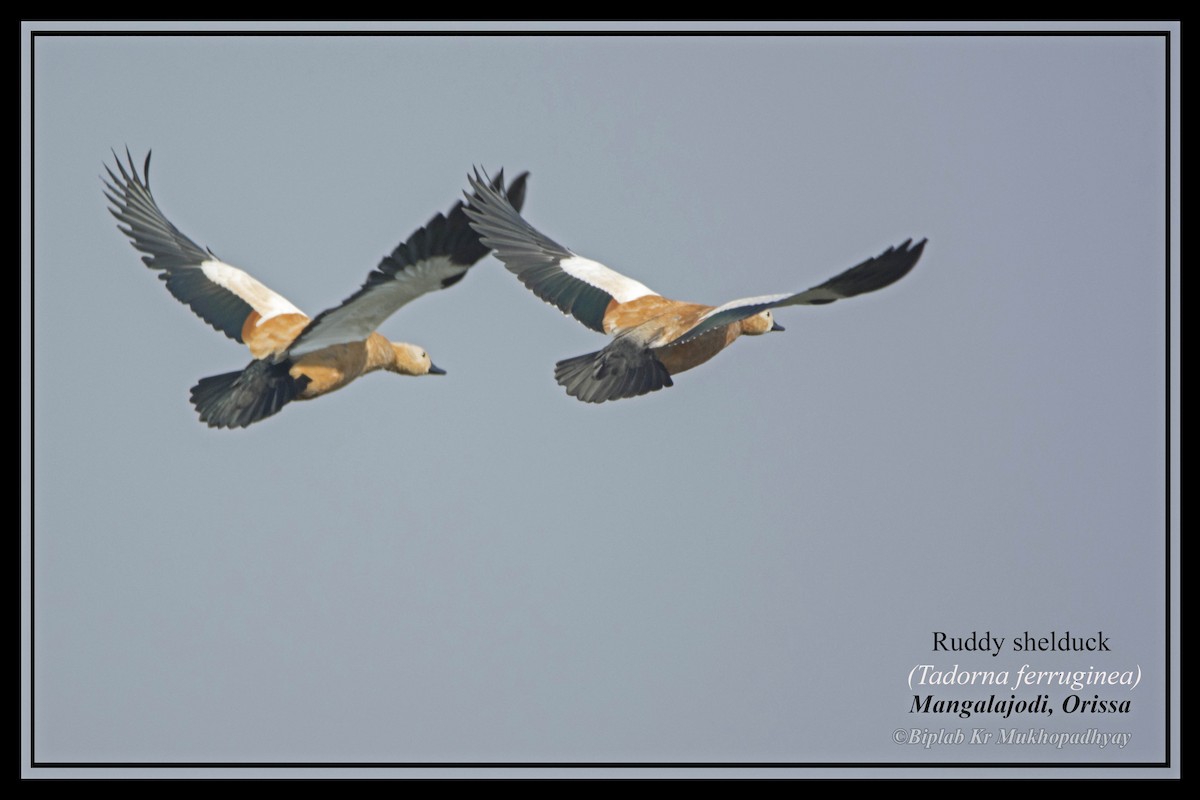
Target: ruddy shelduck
295, 357
653, 337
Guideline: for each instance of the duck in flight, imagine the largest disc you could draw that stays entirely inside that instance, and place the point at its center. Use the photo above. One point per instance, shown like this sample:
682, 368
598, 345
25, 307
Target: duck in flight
653, 337
295, 357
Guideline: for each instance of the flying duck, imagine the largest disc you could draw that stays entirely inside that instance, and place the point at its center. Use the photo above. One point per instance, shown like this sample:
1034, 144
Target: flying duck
295, 357
653, 337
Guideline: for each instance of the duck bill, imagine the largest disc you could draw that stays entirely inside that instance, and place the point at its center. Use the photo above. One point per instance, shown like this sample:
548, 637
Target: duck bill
777, 327
436, 370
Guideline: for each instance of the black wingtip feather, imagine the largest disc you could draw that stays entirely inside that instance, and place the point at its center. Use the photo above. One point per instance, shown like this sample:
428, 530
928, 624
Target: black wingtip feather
879, 272
516, 191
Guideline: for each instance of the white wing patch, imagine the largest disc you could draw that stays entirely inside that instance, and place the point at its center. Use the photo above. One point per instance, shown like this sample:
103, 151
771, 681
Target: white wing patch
596, 274
745, 301
358, 317
266, 302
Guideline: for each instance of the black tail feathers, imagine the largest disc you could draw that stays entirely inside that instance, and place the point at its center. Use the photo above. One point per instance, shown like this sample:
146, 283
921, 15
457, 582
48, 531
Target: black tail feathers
237, 399
623, 369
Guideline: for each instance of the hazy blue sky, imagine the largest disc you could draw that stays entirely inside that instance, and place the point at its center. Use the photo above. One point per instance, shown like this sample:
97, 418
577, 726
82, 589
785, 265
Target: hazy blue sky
477, 568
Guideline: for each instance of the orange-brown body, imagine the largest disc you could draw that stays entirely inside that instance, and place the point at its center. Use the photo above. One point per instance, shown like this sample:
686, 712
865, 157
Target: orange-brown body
329, 368
333, 367
671, 319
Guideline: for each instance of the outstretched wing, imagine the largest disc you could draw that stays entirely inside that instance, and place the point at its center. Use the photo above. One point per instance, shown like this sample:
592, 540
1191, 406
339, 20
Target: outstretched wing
436, 256
577, 286
874, 273
220, 294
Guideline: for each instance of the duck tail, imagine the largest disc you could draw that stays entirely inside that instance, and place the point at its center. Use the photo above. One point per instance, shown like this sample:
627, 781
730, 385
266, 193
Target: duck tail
623, 369
237, 399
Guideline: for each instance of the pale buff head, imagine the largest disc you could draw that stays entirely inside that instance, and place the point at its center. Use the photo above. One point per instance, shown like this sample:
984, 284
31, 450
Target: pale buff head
412, 360
760, 323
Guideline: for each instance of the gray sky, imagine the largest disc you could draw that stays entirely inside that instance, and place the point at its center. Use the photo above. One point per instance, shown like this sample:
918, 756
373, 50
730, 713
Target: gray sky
478, 568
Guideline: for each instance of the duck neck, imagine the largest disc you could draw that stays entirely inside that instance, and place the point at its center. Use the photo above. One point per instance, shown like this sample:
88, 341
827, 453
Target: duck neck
380, 354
